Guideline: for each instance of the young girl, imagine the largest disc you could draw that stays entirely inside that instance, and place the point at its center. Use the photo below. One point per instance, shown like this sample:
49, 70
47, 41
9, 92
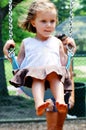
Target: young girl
42, 59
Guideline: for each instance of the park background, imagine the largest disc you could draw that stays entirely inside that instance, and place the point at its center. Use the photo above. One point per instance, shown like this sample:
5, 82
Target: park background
16, 106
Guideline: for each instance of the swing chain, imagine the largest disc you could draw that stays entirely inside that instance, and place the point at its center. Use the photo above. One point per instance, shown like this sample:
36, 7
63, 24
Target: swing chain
70, 49
11, 52
10, 20
71, 18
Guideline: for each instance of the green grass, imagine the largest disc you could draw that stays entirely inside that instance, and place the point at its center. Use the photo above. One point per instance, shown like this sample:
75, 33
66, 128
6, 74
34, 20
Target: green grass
16, 108
8, 71
79, 62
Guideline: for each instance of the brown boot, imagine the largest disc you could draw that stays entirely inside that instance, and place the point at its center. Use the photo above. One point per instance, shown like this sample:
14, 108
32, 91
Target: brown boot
62, 112
51, 118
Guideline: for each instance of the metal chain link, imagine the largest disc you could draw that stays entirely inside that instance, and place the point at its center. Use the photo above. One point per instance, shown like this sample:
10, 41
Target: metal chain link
71, 18
10, 20
70, 52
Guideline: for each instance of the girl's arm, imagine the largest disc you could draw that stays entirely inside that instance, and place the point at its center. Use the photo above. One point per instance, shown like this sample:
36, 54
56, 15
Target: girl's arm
21, 54
71, 43
72, 97
11, 44
63, 56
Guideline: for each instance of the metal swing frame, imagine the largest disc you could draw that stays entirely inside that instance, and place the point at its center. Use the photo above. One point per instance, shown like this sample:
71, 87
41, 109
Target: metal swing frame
15, 65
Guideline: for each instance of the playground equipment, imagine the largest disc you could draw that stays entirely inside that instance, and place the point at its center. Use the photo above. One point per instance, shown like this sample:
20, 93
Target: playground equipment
15, 65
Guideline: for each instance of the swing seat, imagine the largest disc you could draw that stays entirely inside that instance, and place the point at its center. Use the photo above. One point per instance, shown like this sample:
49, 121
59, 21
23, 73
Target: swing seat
28, 92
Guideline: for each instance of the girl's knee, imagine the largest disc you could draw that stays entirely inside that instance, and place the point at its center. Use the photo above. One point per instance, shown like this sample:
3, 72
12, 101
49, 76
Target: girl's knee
38, 80
53, 77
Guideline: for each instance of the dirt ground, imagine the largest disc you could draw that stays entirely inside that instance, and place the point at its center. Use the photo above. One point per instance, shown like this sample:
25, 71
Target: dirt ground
78, 124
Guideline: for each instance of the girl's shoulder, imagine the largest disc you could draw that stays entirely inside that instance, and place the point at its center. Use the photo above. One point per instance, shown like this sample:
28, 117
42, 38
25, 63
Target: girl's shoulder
56, 40
27, 40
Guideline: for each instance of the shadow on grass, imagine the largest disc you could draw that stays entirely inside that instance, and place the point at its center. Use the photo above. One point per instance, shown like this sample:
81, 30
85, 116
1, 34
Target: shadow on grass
16, 107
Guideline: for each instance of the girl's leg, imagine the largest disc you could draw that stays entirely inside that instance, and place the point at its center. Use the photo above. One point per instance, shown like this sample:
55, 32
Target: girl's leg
58, 92
38, 92
56, 87
38, 95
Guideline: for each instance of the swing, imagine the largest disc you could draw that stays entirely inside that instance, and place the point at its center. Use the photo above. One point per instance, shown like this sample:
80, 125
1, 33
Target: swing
15, 65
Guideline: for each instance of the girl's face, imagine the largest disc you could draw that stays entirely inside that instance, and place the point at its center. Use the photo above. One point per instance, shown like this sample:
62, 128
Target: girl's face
44, 23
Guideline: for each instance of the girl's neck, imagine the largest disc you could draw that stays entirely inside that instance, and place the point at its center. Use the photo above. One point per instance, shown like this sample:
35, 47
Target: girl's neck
42, 38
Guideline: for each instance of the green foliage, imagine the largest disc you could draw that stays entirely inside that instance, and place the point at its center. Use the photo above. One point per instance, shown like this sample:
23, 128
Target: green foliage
63, 8
81, 10
19, 12
3, 3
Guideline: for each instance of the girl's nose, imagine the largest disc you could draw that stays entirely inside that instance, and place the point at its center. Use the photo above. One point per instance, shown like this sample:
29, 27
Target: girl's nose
48, 24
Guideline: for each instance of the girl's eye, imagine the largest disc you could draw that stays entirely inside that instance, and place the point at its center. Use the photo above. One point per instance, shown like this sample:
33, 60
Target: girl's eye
52, 21
43, 21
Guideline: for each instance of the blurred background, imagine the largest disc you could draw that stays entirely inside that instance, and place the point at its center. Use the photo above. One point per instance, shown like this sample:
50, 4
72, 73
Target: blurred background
14, 104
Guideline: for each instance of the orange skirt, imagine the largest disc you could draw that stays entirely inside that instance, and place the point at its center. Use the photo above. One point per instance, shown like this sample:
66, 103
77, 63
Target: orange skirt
24, 77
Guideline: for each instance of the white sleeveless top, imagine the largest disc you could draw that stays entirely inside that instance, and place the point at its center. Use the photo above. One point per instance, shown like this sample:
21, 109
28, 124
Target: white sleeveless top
41, 53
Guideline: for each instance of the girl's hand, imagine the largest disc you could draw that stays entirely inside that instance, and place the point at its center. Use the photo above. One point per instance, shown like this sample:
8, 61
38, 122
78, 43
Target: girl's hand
71, 102
9, 44
70, 42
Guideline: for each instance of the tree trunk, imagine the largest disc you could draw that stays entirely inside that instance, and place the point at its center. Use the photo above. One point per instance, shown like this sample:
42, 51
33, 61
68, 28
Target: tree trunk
3, 85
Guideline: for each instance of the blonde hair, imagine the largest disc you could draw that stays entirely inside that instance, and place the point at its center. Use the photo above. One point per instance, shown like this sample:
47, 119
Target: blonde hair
37, 5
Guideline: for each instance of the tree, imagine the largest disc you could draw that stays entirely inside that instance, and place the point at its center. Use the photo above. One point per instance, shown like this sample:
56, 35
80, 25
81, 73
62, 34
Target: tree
3, 13
81, 10
63, 7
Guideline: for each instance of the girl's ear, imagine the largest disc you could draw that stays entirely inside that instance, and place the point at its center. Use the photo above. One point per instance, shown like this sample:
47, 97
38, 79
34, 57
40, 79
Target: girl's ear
33, 23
